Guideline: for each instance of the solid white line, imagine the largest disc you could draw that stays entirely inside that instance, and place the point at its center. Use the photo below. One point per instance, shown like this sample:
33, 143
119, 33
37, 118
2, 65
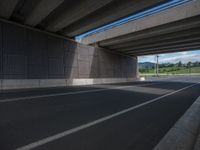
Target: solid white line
87, 125
68, 93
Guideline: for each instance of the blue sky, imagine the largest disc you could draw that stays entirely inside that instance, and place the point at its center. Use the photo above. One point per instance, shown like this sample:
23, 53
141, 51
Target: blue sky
173, 57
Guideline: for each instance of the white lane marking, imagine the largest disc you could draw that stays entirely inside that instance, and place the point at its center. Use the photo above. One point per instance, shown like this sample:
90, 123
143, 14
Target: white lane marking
68, 93
87, 125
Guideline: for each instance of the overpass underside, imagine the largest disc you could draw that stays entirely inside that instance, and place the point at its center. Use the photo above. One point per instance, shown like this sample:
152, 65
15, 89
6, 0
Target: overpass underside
178, 36
173, 30
37, 47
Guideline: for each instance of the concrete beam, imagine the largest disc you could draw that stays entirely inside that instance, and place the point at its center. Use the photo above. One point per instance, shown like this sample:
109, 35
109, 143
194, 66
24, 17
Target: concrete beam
76, 12
182, 25
167, 51
7, 7
177, 45
160, 38
175, 42
173, 50
171, 15
117, 10
42, 10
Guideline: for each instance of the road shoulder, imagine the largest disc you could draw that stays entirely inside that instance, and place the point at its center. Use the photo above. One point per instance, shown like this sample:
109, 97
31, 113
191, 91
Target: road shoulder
183, 135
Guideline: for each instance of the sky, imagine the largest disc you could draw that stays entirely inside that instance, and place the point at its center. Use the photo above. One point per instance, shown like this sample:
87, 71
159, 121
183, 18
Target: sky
184, 57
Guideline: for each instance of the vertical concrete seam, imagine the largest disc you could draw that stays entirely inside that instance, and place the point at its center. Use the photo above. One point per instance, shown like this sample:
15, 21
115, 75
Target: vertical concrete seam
1, 84
46, 38
64, 60
77, 51
27, 56
1, 50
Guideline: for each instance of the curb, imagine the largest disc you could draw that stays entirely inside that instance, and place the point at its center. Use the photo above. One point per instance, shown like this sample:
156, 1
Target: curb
183, 135
197, 145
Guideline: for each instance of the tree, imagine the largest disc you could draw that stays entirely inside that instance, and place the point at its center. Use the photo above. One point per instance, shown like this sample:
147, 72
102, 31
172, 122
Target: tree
179, 64
189, 66
196, 64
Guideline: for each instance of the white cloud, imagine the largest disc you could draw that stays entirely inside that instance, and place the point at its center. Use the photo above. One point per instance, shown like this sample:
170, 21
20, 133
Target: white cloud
184, 53
183, 58
173, 57
146, 58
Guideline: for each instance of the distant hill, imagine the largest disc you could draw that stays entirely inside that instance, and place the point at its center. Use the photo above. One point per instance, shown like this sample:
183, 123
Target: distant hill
146, 65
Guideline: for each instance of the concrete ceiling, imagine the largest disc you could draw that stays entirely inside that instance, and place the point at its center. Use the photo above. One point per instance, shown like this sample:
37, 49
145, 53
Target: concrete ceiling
172, 37
71, 17
173, 30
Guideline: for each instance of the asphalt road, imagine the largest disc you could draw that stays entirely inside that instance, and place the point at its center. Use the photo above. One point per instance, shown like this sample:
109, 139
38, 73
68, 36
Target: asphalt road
101, 117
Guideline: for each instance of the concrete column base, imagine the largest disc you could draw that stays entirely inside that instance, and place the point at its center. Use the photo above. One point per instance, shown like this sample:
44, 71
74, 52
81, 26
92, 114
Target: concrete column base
6, 84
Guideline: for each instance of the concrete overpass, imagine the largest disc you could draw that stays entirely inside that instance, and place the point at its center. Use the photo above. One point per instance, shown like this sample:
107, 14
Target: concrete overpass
175, 29
38, 50
38, 47
69, 17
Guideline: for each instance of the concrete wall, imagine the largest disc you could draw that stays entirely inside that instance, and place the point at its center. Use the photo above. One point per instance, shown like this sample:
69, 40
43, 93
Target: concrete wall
28, 54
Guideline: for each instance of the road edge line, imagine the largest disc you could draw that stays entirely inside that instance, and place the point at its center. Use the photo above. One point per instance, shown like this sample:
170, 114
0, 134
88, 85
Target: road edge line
92, 123
68, 93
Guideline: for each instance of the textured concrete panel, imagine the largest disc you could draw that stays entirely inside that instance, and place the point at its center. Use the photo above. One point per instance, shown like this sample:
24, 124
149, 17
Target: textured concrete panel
15, 64
83, 53
1, 53
72, 72
56, 67
37, 43
94, 61
55, 47
92, 51
84, 69
71, 60
37, 72
28, 54
15, 40
38, 55
66, 45
72, 47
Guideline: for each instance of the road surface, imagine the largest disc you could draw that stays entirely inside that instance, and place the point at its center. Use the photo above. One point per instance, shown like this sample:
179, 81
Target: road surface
100, 117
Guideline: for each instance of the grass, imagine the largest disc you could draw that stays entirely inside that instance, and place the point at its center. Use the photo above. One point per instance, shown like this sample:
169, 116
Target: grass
173, 71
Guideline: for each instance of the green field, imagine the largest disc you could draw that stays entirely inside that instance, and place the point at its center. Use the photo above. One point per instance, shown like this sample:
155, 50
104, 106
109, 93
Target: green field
172, 70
